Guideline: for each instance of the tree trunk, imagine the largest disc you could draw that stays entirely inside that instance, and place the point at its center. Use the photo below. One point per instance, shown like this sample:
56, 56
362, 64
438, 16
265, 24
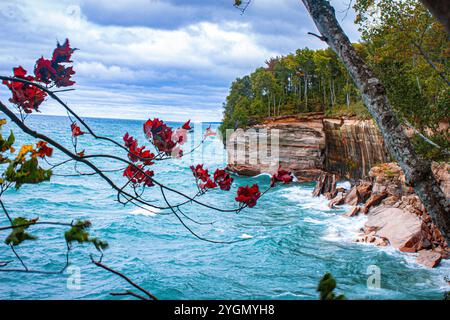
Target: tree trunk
347, 95
440, 9
417, 171
306, 92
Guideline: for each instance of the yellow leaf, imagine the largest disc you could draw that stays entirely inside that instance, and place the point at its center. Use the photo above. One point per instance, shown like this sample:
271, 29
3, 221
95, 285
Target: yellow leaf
24, 150
2, 122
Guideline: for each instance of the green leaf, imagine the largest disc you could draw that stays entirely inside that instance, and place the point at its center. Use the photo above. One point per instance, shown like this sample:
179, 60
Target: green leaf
78, 232
29, 173
18, 235
326, 286
7, 144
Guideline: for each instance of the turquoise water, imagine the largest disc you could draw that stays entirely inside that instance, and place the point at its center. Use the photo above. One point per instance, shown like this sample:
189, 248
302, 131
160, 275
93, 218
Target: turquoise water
292, 239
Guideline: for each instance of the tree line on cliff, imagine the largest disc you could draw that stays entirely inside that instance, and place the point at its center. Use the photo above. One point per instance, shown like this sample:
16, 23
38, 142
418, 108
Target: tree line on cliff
401, 42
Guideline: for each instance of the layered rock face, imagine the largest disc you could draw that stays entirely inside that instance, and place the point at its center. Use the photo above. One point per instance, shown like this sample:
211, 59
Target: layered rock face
300, 148
353, 147
311, 145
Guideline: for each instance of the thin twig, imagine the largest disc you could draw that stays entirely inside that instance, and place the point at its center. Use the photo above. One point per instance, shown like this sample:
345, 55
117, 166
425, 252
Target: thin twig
101, 265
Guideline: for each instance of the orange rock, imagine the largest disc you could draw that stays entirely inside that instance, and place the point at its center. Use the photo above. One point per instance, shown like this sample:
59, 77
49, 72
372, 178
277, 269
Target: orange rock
429, 258
353, 212
375, 199
352, 198
336, 201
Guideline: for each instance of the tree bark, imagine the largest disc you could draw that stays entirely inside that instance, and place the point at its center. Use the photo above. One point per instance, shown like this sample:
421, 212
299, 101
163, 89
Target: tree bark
440, 9
417, 171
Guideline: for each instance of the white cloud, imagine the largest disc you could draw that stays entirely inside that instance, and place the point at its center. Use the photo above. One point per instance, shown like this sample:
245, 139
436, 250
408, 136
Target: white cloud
197, 60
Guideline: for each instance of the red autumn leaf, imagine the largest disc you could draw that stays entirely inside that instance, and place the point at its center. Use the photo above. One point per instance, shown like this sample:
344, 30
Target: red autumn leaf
63, 74
187, 126
137, 154
137, 176
208, 185
48, 71
200, 173
248, 195
62, 53
223, 179
76, 131
44, 70
20, 72
81, 153
281, 176
160, 134
129, 141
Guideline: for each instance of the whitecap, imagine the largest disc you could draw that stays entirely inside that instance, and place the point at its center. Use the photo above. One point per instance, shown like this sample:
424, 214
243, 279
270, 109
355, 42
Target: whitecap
314, 221
145, 211
246, 236
342, 228
344, 184
303, 198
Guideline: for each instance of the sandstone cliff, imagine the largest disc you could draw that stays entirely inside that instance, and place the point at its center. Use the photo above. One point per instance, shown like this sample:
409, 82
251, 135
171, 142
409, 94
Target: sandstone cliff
312, 144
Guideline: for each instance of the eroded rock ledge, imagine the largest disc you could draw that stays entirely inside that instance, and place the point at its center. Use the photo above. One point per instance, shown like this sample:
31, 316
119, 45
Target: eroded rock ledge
395, 214
314, 143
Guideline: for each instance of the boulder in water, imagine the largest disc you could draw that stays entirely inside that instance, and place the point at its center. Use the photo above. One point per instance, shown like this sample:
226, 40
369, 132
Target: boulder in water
429, 258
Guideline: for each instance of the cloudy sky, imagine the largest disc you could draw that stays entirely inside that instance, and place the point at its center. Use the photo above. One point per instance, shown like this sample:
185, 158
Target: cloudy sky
166, 58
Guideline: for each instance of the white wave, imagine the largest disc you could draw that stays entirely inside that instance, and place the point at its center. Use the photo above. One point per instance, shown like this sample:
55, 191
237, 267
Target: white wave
341, 228
263, 174
303, 198
246, 236
145, 211
314, 221
343, 184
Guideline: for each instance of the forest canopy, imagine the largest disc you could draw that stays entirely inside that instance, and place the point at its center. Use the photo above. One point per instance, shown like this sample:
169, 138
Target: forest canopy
400, 40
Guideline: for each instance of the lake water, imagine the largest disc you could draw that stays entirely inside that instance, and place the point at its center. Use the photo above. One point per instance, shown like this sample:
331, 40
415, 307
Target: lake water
291, 239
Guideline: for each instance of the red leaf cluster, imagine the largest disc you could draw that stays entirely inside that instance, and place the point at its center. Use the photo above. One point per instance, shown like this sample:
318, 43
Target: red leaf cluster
54, 71
200, 173
164, 138
248, 195
136, 153
42, 150
223, 179
76, 131
25, 96
208, 185
50, 72
137, 175
160, 134
281, 176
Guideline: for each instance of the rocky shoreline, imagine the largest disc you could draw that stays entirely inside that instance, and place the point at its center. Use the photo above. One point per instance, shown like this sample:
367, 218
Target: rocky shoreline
395, 214
314, 147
